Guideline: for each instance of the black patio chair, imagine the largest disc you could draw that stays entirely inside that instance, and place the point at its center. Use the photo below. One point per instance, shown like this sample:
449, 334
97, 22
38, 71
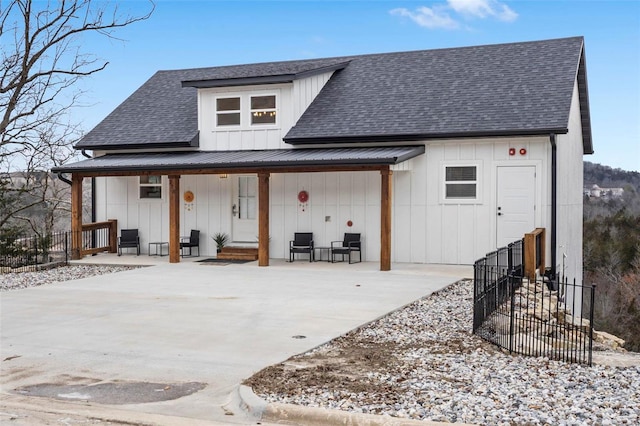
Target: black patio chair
350, 244
190, 242
129, 238
302, 243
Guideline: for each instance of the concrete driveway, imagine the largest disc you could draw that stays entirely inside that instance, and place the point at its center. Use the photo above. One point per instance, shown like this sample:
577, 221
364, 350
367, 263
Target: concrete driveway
177, 324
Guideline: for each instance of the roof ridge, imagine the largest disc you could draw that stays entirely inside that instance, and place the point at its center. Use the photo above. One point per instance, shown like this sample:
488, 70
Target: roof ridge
355, 56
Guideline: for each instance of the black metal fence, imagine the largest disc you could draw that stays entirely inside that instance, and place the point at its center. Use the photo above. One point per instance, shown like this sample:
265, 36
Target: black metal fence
20, 253
490, 276
528, 318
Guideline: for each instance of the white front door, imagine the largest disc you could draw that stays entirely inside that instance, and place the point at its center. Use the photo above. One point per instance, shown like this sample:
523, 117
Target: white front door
245, 209
516, 206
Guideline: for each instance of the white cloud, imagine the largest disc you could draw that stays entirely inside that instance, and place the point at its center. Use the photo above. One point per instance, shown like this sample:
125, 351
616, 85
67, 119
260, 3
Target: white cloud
484, 9
432, 18
439, 17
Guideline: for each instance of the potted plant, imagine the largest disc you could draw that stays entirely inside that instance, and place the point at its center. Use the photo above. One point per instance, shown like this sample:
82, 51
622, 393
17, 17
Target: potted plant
221, 240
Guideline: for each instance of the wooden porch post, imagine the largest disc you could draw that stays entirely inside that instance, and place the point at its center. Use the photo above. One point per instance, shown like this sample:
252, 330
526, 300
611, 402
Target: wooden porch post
174, 219
76, 216
263, 219
385, 220
113, 235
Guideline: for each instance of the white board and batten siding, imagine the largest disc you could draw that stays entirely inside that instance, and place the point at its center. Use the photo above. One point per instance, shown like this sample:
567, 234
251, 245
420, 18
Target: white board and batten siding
335, 199
570, 202
292, 99
118, 198
245, 136
427, 228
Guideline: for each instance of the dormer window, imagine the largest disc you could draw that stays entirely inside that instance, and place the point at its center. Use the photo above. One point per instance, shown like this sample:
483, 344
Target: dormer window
242, 111
263, 109
228, 111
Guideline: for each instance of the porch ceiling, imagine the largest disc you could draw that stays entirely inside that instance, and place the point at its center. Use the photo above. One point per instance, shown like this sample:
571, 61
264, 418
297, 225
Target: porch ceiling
211, 162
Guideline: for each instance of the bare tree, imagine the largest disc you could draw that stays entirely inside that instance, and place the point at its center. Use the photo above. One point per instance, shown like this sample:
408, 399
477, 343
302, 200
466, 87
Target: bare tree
41, 63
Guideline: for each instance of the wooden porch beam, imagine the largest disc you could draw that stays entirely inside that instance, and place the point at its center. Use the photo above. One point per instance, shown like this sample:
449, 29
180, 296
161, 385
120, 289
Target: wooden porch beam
385, 220
263, 219
174, 219
76, 216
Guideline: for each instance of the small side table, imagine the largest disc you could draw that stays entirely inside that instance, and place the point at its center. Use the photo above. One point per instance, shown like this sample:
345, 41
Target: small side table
158, 248
320, 250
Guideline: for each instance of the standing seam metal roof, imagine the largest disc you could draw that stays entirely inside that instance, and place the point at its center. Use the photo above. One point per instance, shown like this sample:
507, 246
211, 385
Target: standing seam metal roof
227, 160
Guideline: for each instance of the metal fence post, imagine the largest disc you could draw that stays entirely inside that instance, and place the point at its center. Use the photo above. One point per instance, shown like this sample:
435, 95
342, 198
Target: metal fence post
35, 244
512, 309
591, 303
66, 248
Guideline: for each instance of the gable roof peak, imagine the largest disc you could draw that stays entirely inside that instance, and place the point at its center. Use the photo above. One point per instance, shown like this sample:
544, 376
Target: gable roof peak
496, 89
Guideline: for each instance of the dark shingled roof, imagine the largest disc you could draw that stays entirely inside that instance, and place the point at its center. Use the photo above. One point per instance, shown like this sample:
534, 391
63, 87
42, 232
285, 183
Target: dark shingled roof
162, 113
228, 160
494, 90
506, 89
159, 114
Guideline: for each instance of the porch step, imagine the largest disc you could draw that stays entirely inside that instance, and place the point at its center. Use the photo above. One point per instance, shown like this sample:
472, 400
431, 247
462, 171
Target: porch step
238, 253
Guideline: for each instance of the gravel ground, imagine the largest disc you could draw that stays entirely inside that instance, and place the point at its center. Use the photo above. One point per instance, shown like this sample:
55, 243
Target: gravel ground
18, 280
422, 362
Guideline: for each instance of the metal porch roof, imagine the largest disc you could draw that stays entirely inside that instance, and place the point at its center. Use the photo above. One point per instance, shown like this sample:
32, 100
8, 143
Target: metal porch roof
230, 160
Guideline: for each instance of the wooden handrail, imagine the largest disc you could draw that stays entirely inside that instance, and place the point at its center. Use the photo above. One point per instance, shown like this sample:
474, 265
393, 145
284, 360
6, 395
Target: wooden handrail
109, 244
97, 225
534, 252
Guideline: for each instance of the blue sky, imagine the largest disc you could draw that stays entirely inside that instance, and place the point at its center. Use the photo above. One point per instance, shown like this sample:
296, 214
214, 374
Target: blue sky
186, 34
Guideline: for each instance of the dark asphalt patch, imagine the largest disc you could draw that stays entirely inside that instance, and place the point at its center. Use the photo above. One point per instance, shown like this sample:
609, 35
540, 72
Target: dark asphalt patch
116, 393
223, 262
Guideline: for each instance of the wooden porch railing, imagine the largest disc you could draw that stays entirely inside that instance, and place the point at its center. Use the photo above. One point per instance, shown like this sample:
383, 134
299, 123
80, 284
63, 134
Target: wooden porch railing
98, 237
534, 253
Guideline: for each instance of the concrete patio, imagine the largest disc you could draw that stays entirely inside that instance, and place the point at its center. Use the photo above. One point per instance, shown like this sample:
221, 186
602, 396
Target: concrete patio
194, 322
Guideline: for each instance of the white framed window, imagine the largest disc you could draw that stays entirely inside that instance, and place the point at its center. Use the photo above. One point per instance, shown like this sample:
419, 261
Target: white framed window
150, 187
228, 111
263, 109
246, 110
460, 183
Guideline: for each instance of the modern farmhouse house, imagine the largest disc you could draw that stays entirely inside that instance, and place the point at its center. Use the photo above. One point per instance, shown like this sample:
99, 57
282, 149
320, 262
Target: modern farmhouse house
434, 156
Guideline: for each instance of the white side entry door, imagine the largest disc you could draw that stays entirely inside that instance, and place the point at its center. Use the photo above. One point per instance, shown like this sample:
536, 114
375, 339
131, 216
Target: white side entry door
516, 203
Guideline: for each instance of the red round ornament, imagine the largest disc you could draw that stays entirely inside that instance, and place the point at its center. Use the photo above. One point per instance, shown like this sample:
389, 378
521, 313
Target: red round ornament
303, 196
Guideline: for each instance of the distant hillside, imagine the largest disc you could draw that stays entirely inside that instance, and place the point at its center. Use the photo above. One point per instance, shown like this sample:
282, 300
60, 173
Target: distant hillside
607, 177
611, 252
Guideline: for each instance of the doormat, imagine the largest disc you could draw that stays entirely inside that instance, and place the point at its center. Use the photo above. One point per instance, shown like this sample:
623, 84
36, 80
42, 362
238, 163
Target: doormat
222, 262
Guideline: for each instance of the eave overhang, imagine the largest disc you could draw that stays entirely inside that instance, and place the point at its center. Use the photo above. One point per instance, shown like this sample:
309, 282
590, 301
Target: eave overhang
420, 137
264, 79
193, 143
214, 162
585, 112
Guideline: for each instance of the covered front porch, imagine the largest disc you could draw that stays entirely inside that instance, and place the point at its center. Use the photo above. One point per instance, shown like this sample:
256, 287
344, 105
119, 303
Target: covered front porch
262, 164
